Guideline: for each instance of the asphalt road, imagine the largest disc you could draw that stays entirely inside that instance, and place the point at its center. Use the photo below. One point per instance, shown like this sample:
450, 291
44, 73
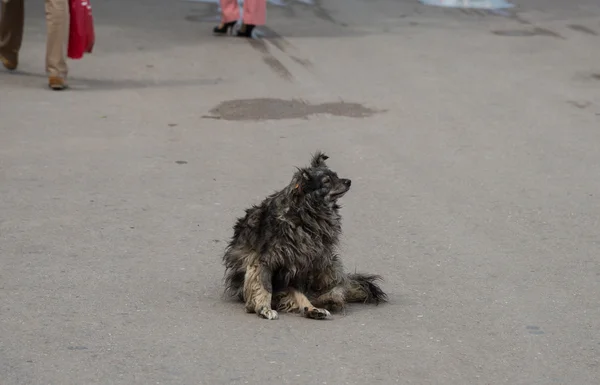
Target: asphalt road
473, 146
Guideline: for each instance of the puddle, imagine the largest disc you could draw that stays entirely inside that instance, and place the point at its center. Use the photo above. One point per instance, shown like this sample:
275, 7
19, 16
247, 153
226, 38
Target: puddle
277, 109
478, 4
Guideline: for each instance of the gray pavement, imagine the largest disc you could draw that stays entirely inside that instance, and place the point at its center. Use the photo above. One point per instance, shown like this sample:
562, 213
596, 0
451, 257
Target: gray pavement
474, 150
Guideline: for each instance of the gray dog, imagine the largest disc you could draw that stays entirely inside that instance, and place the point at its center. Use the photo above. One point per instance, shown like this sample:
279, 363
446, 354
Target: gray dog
283, 252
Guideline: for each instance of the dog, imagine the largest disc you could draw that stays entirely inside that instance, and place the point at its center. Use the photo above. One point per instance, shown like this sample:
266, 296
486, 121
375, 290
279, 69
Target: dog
282, 255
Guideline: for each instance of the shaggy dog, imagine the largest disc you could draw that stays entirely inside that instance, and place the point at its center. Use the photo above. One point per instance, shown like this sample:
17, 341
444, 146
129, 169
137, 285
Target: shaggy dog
282, 256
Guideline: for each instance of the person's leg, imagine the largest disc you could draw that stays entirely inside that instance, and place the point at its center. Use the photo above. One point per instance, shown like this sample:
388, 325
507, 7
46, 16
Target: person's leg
12, 18
229, 11
57, 21
255, 12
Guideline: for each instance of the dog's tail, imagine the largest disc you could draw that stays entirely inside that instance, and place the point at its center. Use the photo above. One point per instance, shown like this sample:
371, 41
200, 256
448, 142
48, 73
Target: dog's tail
363, 288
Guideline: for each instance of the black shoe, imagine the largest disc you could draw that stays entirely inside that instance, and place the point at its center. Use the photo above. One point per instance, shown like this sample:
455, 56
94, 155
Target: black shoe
245, 30
224, 28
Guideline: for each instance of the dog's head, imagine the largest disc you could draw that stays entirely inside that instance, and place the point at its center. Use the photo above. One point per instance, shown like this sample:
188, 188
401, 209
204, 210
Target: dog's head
319, 182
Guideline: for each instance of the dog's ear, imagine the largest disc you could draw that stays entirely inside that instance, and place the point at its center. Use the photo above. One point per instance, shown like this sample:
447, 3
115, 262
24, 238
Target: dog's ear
318, 159
301, 179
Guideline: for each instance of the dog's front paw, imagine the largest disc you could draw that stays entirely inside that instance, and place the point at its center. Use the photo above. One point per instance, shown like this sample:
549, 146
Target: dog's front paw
268, 313
316, 313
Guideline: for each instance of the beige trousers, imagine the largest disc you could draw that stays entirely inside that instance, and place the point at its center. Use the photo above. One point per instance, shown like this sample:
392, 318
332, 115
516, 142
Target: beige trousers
57, 23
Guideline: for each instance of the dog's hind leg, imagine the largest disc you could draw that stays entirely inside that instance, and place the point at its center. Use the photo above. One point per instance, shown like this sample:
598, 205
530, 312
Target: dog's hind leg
291, 300
258, 291
333, 300
330, 286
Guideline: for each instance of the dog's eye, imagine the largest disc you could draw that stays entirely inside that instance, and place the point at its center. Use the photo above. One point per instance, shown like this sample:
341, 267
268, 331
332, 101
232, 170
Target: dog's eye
326, 179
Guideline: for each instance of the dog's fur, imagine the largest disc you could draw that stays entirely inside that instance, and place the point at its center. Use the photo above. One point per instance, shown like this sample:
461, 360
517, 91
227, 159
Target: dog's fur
282, 255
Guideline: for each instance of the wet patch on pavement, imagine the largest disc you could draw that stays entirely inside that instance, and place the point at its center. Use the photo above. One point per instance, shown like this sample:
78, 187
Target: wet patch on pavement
583, 29
303, 62
537, 31
535, 330
579, 105
321, 12
278, 109
475, 4
278, 67
282, 45
514, 32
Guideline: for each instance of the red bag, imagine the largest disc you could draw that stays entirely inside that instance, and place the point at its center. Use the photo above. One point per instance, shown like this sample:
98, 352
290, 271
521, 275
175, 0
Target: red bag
81, 29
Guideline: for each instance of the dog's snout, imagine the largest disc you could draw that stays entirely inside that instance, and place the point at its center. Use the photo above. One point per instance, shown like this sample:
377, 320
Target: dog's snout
347, 182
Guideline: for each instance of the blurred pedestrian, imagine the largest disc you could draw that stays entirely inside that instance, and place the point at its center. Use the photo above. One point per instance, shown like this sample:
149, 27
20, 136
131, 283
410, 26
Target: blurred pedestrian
12, 22
255, 13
